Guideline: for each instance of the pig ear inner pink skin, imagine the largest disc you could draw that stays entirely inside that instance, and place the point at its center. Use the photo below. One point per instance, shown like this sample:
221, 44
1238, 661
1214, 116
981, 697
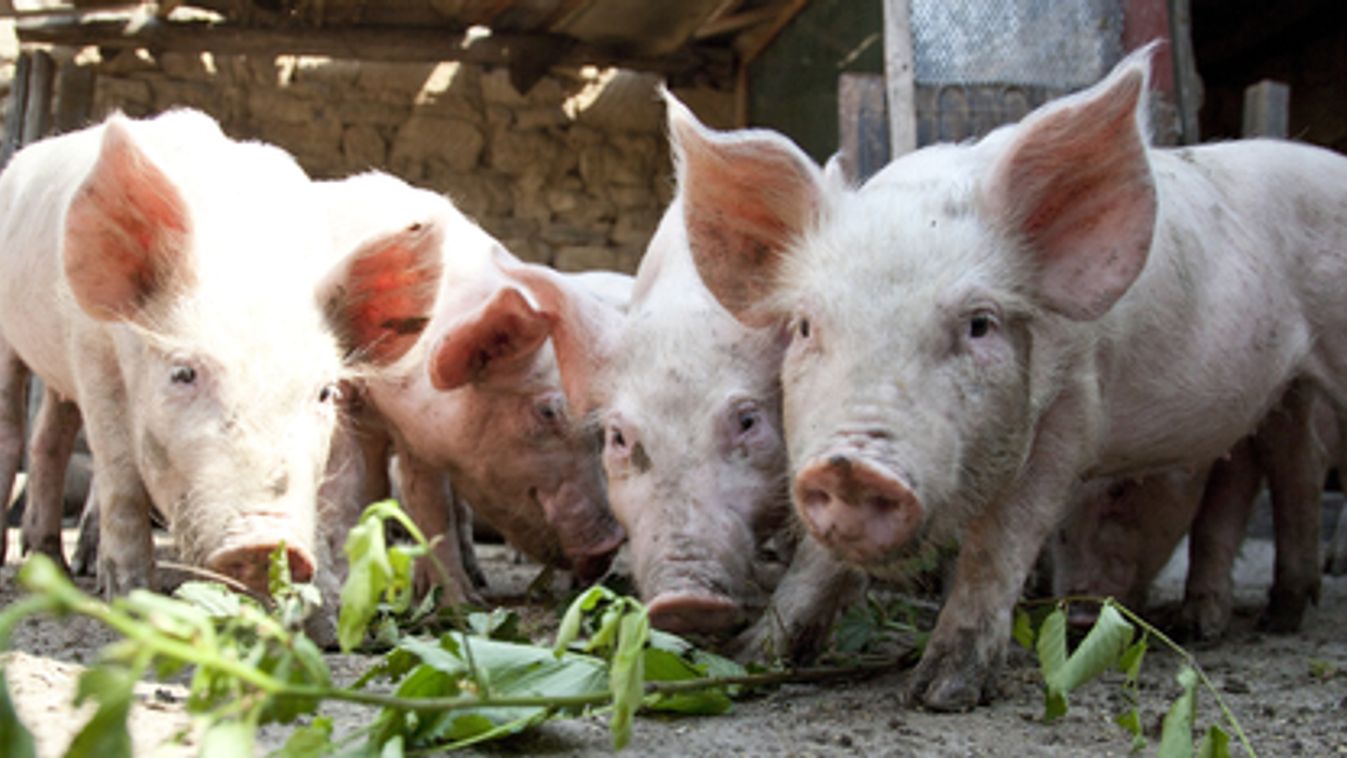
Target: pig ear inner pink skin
1075, 190
127, 232
379, 298
497, 339
583, 328
747, 197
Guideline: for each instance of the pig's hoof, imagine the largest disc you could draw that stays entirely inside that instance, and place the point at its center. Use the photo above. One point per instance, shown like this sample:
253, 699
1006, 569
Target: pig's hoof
1285, 610
953, 682
1202, 620
49, 546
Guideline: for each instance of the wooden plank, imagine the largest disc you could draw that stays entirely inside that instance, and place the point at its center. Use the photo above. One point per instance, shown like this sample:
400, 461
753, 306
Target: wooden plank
388, 44
18, 102
37, 113
1267, 109
900, 74
863, 125
74, 96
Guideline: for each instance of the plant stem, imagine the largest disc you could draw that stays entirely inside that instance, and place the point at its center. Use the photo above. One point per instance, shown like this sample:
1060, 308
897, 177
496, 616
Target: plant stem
1183, 653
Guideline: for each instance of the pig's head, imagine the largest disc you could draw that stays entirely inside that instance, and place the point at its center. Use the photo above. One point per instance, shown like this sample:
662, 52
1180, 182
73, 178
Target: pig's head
533, 469
203, 267
688, 401
930, 312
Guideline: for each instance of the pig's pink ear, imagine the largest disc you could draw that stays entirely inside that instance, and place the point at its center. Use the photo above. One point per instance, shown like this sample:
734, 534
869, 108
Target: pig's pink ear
496, 338
126, 231
584, 329
1075, 189
747, 195
379, 298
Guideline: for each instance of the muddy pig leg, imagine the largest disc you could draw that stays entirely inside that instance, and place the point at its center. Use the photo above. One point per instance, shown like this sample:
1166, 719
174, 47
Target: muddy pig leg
13, 430
58, 422
1292, 449
1214, 542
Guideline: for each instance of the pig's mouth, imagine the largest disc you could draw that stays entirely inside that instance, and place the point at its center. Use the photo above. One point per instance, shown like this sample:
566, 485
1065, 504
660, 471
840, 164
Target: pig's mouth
588, 533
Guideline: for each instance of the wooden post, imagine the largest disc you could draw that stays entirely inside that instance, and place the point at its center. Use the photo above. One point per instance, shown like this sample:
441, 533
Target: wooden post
74, 95
37, 113
899, 70
18, 102
863, 125
1187, 83
1267, 106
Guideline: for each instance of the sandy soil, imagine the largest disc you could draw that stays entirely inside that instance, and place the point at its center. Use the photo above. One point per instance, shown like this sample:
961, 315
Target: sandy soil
1290, 693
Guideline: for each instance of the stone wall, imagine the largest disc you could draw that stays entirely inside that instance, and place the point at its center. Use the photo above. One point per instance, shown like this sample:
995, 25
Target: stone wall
575, 173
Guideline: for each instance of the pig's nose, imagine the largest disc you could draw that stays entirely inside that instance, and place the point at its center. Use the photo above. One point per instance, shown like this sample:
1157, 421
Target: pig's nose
249, 564
693, 613
857, 510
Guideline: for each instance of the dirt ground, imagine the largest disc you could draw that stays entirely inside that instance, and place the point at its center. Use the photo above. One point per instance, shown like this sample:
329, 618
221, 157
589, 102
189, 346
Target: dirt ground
1290, 694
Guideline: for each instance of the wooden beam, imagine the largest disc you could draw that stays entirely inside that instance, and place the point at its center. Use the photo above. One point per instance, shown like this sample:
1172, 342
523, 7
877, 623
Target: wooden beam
18, 102
862, 125
37, 113
900, 72
387, 44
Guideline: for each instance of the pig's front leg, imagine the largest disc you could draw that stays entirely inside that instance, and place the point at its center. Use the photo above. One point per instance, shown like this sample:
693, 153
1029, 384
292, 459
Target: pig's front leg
795, 623
58, 423
1000, 545
125, 541
427, 498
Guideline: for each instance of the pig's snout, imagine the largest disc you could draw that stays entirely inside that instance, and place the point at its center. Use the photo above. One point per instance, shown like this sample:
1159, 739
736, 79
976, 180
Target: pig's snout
249, 565
862, 513
693, 613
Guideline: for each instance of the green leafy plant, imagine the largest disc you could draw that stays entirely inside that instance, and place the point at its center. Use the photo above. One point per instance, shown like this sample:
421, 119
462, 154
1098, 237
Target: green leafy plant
249, 664
1110, 645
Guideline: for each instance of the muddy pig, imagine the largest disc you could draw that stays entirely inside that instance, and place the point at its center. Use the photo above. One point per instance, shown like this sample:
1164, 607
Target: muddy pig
167, 281
981, 327
1121, 532
476, 411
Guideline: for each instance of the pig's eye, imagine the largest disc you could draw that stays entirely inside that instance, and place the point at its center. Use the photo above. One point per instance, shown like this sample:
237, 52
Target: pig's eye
182, 375
615, 438
981, 324
330, 393
804, 329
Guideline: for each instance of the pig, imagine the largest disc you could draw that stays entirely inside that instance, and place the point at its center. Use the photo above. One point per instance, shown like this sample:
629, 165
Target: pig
981, 327
688, 400
1122, 532
176, 287
475, 413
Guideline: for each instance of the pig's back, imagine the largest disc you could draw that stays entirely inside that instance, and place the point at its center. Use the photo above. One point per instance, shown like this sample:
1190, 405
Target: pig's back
1224, 302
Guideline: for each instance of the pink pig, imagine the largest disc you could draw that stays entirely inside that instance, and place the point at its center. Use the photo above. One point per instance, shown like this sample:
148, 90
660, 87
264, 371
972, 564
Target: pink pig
475, 412
981, 327
175, 286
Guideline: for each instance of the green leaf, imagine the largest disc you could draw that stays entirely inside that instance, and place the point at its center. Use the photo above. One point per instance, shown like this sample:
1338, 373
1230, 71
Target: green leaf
369, 576
1023, 631
15, 739
1100, 651
1051, 645
627, 675
105, 735
1176, 736
570, 621
218, 601
1130, 662
309, 741
1216, 744
227, 739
